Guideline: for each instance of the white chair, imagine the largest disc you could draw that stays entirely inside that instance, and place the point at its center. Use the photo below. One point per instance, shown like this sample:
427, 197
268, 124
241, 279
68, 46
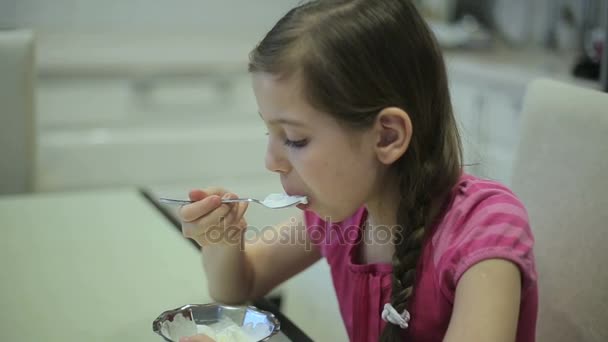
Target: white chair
17, 132
561, 174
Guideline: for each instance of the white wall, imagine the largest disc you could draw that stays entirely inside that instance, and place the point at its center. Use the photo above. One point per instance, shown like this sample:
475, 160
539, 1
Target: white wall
165, 16
16, 111
227, 16
8, 11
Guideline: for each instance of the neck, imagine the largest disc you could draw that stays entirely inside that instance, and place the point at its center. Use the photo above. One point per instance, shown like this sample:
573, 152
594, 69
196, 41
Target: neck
377, 244
382, 207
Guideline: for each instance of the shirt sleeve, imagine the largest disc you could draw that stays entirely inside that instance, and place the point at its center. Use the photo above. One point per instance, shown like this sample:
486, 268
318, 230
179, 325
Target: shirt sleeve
493, 225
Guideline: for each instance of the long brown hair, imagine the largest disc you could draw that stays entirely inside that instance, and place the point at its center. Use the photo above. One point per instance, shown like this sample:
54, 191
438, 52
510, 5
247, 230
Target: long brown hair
357, 57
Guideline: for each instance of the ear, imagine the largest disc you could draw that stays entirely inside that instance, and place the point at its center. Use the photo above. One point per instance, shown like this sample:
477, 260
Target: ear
393, 129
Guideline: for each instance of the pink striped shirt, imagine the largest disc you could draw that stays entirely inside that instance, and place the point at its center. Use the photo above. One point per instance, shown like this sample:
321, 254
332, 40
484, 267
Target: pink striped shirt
483, 220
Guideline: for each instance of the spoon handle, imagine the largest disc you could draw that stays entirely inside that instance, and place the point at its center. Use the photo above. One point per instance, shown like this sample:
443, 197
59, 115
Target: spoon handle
173, 201
182, 202
234, 200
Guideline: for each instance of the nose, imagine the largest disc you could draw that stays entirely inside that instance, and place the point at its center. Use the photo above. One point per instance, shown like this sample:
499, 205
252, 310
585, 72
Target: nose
275, 159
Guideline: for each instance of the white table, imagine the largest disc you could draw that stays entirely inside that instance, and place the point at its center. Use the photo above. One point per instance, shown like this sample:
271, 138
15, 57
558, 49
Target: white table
91, 266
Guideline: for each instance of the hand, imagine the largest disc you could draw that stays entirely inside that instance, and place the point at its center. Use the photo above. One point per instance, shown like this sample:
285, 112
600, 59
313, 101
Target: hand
210, 222
197, 338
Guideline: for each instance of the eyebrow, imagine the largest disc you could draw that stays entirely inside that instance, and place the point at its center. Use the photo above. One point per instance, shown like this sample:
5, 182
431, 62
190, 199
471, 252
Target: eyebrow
284, 121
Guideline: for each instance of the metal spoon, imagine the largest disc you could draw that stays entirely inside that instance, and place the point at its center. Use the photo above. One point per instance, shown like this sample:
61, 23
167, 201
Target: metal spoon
272, 201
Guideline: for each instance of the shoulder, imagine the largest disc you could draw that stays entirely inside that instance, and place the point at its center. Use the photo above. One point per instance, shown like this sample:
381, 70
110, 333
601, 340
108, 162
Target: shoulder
484, 220
482, 206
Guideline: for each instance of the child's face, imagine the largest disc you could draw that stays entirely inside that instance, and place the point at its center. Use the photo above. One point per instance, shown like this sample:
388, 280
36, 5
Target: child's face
314, 155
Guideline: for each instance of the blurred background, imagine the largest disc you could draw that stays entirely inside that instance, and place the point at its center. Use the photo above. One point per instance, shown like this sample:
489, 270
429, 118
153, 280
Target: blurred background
155, 94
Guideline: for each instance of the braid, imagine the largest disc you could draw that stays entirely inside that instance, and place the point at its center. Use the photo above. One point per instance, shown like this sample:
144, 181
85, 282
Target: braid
412, 212
418, 187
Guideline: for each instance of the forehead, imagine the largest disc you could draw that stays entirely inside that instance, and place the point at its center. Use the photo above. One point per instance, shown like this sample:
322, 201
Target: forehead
282, 101
281, 98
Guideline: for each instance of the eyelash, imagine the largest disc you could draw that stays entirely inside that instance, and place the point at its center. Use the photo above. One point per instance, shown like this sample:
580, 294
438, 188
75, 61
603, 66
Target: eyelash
294, 143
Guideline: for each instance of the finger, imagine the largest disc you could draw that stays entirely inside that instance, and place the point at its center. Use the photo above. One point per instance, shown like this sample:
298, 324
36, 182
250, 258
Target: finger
193, 211
191, 231
213, 220
197, 195
237, 209
242, 208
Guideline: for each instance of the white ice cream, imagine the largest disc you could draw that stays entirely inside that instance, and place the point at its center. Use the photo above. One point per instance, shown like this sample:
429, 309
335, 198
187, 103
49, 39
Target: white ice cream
281, 200
225, 331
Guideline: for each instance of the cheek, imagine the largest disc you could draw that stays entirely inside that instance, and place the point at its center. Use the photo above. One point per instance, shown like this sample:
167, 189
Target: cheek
316, 172
356, 176
341, 183
311, 169
337, 178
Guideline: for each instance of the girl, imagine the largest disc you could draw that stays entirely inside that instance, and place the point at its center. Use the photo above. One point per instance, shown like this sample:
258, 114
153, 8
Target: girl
355, 97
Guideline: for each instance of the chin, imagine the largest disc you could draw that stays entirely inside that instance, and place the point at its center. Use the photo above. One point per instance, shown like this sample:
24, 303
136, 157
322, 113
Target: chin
332, 215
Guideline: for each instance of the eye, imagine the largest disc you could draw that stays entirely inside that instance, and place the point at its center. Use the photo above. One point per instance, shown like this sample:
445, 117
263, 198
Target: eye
296, 143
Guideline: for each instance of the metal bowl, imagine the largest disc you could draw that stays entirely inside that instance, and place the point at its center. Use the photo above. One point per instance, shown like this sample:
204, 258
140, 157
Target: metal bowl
174, 324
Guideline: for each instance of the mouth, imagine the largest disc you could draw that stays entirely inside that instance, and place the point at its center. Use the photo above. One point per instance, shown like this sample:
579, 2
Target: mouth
301, 206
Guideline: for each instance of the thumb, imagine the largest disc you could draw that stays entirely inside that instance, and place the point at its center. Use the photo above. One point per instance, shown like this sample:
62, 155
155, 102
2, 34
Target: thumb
241, 209
197, 195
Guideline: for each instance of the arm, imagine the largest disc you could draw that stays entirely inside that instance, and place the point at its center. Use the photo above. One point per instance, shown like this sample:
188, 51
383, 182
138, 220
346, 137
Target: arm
486, 306
235, 276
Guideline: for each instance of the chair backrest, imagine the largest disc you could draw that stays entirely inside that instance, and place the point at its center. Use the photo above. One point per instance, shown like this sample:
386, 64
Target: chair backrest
561, 175
17, 131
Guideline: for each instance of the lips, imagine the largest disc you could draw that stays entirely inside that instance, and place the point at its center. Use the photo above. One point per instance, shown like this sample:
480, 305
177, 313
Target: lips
296, 193
303, 206
291, 192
